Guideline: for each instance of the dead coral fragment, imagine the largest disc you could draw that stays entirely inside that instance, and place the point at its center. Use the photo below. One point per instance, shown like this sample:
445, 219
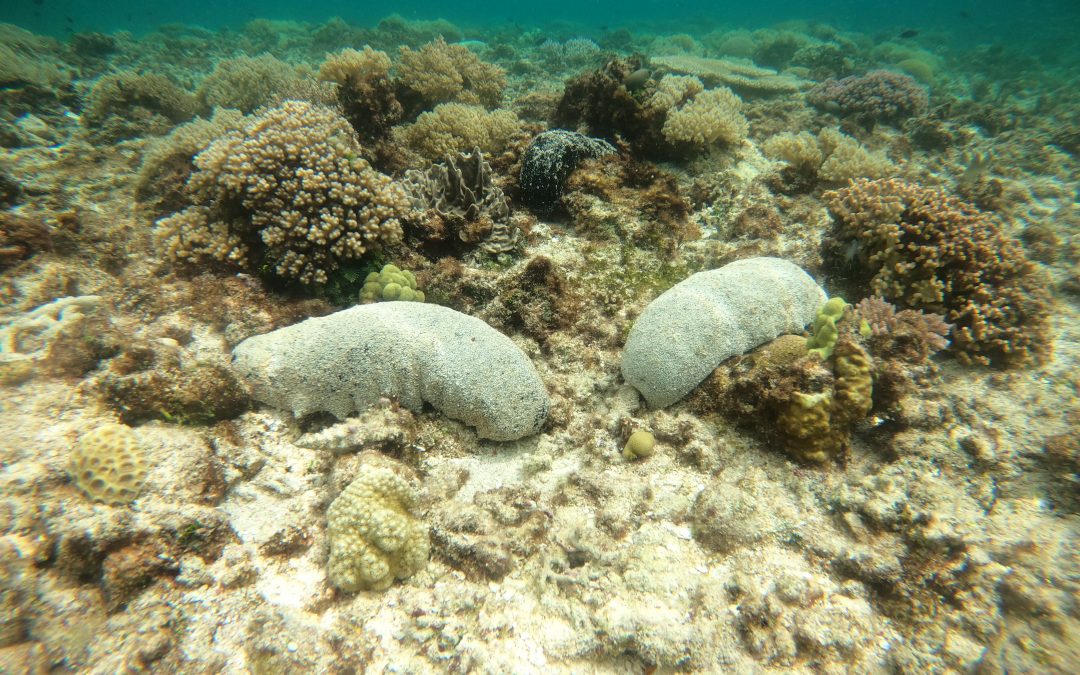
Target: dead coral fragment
635, 202
923, 249
289, 191
21, 238
54, 337
155, 381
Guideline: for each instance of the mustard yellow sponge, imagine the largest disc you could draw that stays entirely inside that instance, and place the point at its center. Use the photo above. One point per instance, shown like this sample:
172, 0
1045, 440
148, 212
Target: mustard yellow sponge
108, 465
374, 537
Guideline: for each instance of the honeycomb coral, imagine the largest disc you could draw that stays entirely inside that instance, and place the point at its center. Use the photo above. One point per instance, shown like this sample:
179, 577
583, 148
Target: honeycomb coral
108, 465
374, 537
288, 192
923, 249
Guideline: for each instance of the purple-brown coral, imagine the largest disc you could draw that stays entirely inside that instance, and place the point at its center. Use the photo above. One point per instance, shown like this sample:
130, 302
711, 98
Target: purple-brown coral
923, 249
877, 96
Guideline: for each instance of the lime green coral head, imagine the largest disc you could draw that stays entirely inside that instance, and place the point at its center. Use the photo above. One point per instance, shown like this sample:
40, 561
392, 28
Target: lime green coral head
391, 283
823, 341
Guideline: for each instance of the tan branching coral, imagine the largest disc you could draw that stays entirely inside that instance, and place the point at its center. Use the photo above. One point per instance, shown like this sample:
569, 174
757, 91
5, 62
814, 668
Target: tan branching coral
364, 91
130, 104
923, 249
831, 156
288, 191
245, 83
674, 90
169, 161
452, 128
439, 73
350, 65
708, 117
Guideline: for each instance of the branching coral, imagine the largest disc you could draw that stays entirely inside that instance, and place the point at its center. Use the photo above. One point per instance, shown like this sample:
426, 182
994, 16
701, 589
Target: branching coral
288, 191
923, 249
168, 163
831, 156
708, 117
456, 127
130, 104
364, 91
877, 96
439, 73
245, 83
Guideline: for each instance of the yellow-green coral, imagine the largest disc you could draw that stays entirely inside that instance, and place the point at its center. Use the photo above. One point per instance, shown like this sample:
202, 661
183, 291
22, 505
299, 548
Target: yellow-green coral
391, 283
374, 536
823, 341
854, 386
817, 426
108, 465
641, 444
806, 425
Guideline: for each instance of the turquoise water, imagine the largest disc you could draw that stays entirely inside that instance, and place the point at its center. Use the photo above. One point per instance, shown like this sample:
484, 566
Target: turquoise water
1036, 22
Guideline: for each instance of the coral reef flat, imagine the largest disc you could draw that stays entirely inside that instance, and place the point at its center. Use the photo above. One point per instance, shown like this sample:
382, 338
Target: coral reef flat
893, 486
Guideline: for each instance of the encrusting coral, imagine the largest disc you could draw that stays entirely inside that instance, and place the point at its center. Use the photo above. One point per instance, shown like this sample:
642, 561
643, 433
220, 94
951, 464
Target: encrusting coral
288, 192
922, 249
375, 538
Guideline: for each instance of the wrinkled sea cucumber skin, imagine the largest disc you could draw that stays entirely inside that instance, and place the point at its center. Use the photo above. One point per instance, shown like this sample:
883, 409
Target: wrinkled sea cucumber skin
684, 334
411, 352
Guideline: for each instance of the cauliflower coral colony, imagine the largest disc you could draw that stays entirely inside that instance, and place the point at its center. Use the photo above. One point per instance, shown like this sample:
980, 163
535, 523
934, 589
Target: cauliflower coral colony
873, 472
